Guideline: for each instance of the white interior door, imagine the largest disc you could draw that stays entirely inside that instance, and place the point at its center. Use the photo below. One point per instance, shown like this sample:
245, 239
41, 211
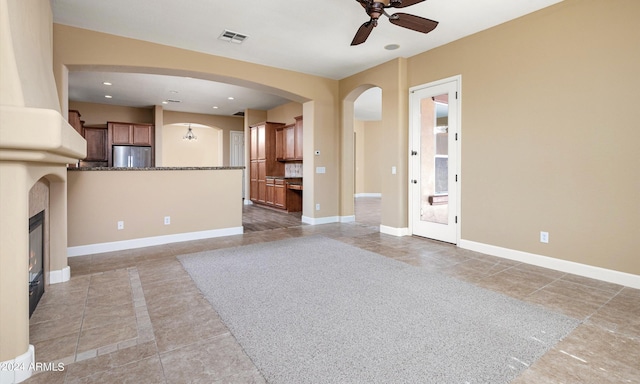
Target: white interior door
434, 144
236, 153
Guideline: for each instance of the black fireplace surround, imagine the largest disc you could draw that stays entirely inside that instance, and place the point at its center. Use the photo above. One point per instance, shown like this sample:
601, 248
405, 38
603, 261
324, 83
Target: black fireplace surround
36, 259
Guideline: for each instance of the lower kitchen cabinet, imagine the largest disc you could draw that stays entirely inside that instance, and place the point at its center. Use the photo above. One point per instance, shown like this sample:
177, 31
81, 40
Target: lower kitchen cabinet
279, 196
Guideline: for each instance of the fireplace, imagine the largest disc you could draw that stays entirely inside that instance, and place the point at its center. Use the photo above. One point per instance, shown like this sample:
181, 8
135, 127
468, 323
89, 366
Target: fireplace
36, 260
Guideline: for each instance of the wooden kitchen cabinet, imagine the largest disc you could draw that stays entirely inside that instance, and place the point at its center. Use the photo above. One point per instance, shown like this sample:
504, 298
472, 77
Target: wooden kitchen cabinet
269, 191
75, 122
131, 134
96, 144
279, 144
253, 154
289, 142
279, 194
263, 159
298, 142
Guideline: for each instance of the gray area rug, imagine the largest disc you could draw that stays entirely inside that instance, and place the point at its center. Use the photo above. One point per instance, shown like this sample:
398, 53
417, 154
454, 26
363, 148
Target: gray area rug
315, 310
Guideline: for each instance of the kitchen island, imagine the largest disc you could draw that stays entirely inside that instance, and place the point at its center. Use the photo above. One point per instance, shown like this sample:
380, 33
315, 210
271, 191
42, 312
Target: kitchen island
112, 209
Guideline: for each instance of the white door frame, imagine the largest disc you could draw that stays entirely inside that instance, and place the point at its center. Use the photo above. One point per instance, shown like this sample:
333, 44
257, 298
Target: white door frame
234, 155
458, 143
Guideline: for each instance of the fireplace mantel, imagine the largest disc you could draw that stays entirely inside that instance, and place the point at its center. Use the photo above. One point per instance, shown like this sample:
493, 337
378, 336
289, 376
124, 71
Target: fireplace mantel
38, 135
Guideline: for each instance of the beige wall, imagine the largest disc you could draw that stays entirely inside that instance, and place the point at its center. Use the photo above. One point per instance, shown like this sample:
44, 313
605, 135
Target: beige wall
285, 113
368, 148
549, 131
206, 151
223, 123
94, 114
196, 200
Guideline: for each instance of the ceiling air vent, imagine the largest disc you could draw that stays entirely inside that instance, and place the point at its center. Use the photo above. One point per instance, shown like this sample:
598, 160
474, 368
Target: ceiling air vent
232, 37
174, 101
241, 113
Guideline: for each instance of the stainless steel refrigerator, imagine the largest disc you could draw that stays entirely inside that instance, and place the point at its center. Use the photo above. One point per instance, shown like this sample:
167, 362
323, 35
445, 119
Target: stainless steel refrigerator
131, 156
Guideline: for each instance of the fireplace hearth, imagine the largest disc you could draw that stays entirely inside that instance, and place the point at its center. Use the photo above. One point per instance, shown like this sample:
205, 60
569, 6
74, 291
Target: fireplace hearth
36, 260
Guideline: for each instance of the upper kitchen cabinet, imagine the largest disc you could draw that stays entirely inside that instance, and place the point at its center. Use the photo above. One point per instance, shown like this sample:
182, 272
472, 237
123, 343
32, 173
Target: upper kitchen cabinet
75, 122
96, 145
130, 133
289, 142
297, 150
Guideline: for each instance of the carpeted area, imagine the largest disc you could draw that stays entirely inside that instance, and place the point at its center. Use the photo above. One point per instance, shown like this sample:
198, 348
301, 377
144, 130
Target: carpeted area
315, 310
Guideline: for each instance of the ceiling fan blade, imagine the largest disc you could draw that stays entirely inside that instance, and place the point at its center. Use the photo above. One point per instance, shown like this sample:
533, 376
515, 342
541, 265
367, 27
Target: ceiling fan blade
363, 32
413, 22
403, 3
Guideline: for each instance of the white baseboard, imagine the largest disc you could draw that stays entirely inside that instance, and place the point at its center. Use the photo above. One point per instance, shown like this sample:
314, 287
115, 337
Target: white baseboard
348, 219
608, 275
21, 367
320, 220
394, 231
367, 195
151, 241
60, 276
247, 202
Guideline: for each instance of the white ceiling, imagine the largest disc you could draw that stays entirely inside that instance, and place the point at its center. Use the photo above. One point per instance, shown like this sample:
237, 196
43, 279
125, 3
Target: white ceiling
303, 35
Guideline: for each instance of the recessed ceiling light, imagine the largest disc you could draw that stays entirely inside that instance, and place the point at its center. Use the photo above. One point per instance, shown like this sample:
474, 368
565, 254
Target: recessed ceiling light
230, 98
215, 107
165, 102
108, 96
173, 91
106, 83
391, 47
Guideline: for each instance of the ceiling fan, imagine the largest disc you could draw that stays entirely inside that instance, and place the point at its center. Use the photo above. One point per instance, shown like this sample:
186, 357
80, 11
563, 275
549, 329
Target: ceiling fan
377, 8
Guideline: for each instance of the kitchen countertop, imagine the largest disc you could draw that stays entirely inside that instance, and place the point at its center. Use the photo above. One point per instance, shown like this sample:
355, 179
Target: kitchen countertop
150, 168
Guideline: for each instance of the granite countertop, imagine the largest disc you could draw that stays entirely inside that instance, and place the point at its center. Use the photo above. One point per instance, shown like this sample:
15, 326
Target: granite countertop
283, 177
150, 168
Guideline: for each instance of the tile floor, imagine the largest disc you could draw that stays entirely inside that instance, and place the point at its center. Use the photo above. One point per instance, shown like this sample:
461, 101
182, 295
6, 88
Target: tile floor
137, 317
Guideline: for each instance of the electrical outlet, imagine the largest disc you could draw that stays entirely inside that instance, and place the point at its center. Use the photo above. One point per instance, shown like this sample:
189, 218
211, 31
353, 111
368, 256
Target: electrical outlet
167, 220
544, 237
318, 207
120, 225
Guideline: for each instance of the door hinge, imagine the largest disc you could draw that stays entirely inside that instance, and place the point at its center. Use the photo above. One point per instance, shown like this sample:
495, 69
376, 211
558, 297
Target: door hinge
456, 95
456, 219
414, 153
456, 136
456, 178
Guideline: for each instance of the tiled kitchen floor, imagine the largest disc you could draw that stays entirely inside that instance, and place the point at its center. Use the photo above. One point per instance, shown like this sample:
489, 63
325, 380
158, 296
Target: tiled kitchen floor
137, 317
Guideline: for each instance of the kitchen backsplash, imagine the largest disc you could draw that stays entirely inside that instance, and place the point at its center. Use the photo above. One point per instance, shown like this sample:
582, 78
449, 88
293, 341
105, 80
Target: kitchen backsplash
293, 170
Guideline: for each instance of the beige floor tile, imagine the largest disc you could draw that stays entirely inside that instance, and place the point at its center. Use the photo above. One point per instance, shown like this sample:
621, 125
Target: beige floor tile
108, 334
56, 348
111, 361
145, 371
206, 361
48, 330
